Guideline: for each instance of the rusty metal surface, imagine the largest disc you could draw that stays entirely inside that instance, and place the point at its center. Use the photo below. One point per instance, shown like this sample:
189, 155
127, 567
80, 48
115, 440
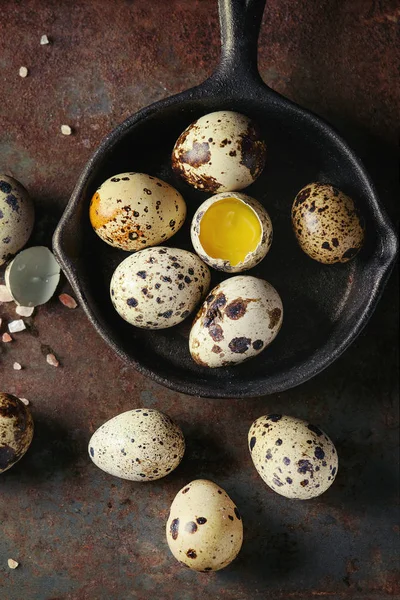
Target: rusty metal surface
80, 534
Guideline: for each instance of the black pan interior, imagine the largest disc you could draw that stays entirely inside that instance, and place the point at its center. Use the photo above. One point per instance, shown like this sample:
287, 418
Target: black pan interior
324, 306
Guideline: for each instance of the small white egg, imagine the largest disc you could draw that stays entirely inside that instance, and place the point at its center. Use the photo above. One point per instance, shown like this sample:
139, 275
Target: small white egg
140, 445
132, 211
221, 151
16, 217
295, 458
204, 528
16, 430
159, 287
239, 318
231, 232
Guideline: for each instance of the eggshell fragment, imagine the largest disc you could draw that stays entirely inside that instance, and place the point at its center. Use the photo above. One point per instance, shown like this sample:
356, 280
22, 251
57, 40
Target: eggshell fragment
204, 528
239, 318
16, 217
16, 430
32, 276
295, 458
159, 287
327, 225
251, 258
132, 211
221, 151
139, 445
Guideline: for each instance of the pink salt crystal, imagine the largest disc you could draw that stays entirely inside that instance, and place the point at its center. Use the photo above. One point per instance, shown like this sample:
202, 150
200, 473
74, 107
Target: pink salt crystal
67, 300
6, 337
51, 359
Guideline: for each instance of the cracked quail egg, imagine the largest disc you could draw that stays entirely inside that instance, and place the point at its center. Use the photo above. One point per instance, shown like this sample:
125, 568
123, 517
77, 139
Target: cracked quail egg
159, 287
295, 458
204, 528
327, 225
16, 430
16, 217
221, 151
239, 318
132, 211
140, 445
231, 232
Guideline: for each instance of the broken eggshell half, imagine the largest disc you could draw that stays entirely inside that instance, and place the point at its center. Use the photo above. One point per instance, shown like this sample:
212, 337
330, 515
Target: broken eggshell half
231, 232
32, 276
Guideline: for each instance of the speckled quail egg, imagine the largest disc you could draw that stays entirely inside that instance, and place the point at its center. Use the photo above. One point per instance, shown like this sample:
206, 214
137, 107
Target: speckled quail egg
204, 528
293, 457
231, 232
327, 224
16, 217
239, 318
16, 430
159, 287
221, 151
140, 445
132, 211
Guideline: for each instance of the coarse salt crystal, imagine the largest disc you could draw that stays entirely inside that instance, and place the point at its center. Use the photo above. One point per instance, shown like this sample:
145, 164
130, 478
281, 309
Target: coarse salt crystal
44, 40
66, 130
25, 401
5, 295
16, 326
17, 366
25, 311
13, 564
67, 300
51, 359
23, 72
6, 337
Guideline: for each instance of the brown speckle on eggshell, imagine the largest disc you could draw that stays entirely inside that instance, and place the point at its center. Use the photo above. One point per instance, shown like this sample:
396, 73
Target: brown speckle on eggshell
327, 224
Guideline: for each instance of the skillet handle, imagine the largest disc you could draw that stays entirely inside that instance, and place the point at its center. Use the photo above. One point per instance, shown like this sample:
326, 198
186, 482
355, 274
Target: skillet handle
240, 22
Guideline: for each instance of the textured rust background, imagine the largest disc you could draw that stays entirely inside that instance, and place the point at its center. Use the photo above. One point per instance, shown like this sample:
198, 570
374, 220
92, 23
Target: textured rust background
80, 534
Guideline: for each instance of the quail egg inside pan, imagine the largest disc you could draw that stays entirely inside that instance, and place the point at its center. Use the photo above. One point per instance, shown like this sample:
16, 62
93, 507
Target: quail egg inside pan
231, 232
221, 151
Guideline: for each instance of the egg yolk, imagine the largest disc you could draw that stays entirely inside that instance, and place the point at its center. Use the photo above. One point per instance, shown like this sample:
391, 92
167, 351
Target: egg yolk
229, 230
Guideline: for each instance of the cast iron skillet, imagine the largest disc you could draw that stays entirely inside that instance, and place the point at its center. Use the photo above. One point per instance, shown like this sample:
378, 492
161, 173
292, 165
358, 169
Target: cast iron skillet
325, 307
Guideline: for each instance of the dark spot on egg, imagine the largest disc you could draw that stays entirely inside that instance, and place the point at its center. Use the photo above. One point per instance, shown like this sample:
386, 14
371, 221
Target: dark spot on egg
258, 344
319, 453
201, 520
191, 553
174, 528
239, 345
132, 302
141, 274
237, 514
274, 317
274, 418
302, 196
304, 483
286, 460
315, 429
252, 443
278, 442
191, 527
